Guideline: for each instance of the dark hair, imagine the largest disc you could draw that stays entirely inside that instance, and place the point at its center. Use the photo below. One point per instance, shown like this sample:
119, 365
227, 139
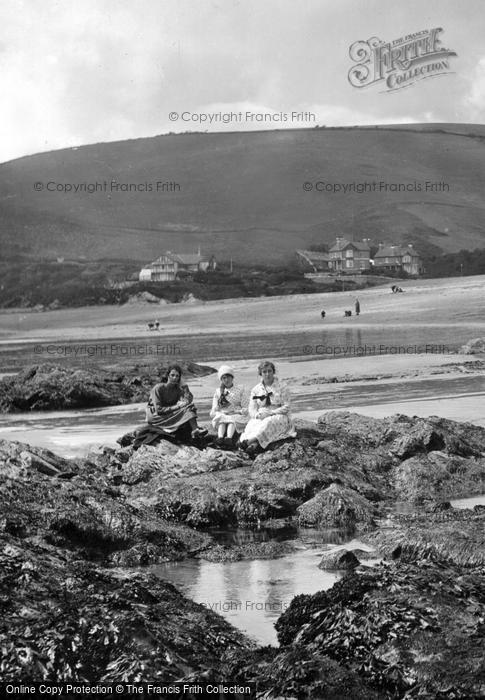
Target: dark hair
264, 365
166, 372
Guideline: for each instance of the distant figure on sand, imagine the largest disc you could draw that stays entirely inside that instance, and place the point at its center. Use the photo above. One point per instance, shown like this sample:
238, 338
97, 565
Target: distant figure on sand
322, 314
170, 411
229, 411
357, 307
269, 411
347, 313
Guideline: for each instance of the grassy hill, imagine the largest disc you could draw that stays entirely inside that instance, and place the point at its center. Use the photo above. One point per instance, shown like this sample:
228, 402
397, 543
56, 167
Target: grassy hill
241, 194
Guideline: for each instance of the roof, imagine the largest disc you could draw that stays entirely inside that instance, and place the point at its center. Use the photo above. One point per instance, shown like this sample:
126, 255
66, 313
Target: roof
314, 255
390, 251
343, 243
182, 258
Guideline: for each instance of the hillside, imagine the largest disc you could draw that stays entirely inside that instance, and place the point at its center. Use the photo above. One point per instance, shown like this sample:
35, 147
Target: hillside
241, 194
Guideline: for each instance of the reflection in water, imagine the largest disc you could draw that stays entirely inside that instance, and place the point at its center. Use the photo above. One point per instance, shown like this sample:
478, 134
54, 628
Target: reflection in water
250, 594
253, 594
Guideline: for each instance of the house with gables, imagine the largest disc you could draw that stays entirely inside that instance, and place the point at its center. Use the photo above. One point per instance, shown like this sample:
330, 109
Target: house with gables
350, 256
169, 266
396, 258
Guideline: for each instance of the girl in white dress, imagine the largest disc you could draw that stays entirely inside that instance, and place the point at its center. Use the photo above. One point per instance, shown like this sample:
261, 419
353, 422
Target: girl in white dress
229, 410
269, 412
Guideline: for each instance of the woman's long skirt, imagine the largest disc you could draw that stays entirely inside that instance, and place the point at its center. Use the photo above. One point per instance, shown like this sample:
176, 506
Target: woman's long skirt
268, 430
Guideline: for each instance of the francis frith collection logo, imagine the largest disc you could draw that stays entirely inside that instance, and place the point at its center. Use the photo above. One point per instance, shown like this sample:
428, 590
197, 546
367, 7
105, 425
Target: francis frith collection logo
399, 63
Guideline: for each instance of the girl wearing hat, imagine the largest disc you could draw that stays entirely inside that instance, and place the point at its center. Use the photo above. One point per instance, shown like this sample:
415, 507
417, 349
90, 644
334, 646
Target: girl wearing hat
269, 412
229, 411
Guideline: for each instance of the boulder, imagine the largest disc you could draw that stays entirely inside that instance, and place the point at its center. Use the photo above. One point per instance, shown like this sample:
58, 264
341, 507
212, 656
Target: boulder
336, 506
438, 476
341, 559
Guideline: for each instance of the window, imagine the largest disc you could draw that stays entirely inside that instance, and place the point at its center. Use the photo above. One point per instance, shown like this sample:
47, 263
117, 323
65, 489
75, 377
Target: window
350, 263
349, 253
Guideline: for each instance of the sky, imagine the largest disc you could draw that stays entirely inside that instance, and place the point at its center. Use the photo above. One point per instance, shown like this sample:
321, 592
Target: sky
74, 73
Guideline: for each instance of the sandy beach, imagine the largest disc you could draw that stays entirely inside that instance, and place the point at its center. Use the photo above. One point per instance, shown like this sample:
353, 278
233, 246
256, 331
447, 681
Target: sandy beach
399, 356
457, 302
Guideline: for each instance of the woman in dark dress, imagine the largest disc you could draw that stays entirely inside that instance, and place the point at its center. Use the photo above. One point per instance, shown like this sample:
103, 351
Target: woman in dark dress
170, 410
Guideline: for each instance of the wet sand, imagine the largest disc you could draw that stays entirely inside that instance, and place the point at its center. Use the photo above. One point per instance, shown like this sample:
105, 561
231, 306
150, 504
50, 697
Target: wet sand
454, 302
421, 376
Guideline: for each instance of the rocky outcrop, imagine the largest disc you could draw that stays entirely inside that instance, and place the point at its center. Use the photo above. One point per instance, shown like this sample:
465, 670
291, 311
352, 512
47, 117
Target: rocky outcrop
74, 505
414, 625
64, 619
336, 506
403, 436
438, 475
398, 627
449, 536
251, 550
334, 475
47, 387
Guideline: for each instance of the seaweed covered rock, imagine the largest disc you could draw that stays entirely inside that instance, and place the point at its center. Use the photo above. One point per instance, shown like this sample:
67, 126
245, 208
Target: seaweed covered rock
438, 476
73, 505
361, 461
405, 436
296, 674
214, 487
65, 620
447, 536
336, 506
251, 550
47, 387
400, 628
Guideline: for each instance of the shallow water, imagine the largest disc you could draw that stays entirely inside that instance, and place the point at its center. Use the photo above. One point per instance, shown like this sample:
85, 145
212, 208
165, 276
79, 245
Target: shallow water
468, 502
253, 594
